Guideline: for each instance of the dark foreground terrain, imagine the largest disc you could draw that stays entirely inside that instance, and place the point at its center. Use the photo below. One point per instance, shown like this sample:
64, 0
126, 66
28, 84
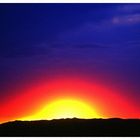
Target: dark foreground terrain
72, 127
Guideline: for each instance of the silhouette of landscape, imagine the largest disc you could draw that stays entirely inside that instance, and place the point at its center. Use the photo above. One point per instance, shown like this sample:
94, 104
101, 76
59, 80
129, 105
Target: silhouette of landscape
74, 127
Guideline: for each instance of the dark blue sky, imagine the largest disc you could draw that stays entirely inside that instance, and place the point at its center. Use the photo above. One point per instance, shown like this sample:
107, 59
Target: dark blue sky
97, 40
31, 24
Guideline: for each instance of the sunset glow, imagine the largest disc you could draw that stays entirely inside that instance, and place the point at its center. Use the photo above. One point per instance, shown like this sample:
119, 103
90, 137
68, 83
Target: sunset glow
64, 108
68, 97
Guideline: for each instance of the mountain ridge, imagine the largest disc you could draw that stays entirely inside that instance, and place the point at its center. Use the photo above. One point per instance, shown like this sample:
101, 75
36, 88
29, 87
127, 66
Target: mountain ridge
72, 127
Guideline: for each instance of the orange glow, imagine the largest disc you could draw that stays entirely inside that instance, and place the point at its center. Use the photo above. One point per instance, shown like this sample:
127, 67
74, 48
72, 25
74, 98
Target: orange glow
104, 101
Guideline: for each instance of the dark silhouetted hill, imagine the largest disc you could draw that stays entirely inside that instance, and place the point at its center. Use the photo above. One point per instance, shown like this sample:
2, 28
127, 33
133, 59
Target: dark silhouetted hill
72, 127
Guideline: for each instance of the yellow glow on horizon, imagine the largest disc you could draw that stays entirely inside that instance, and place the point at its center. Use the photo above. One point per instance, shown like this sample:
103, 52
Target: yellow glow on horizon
64, 108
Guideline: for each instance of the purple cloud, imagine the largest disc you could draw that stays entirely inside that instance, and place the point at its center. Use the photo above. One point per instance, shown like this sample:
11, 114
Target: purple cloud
128, 19
129, 8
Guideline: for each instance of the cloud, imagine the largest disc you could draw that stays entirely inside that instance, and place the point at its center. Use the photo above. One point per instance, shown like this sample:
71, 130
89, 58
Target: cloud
93, 45
129, 8
128, 14
24, 51
128, 19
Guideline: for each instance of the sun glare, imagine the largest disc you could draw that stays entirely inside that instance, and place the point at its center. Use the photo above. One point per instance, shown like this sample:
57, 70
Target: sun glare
65, 108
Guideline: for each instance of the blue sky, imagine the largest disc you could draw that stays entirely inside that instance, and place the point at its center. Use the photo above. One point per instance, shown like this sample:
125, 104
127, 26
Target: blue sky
43, 40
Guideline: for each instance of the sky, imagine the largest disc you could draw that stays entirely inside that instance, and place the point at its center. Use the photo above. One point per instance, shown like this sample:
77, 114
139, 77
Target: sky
49, 44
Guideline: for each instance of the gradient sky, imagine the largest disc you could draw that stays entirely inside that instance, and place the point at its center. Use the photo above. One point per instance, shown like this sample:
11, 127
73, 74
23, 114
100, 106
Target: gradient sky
42, 42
